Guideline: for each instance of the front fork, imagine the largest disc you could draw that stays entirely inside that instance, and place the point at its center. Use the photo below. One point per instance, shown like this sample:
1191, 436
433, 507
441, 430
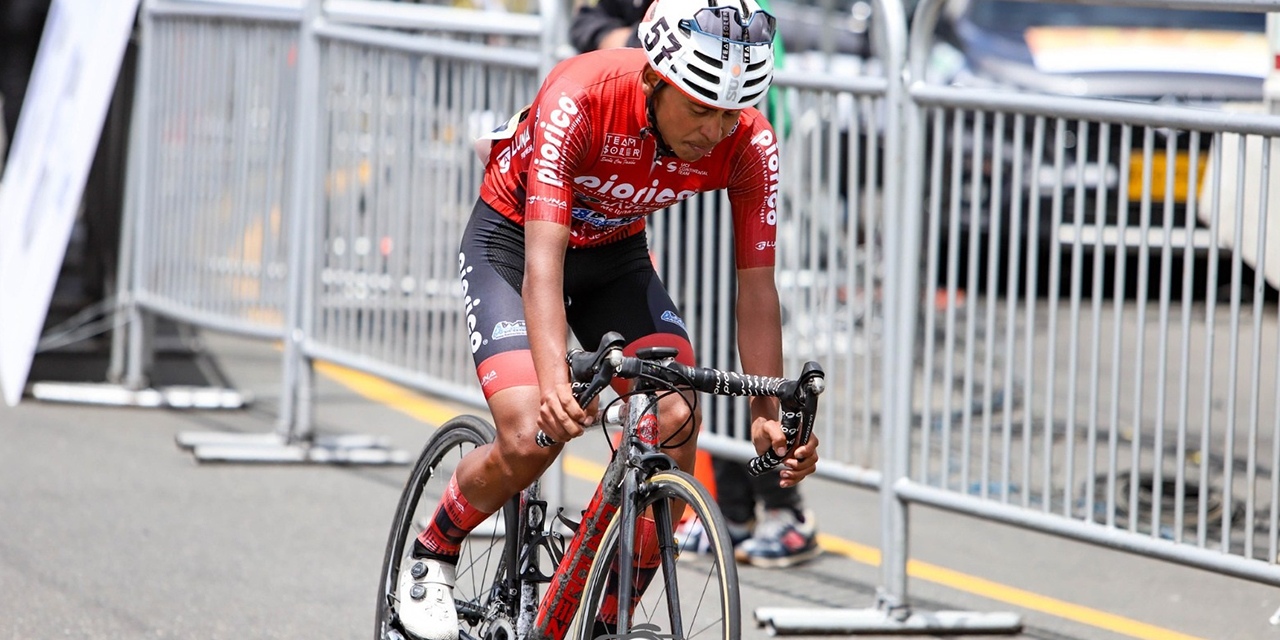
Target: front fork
626, 549
649, 461
622, 478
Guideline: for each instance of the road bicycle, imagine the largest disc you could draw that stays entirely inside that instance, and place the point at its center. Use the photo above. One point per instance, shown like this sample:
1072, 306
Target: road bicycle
501, 572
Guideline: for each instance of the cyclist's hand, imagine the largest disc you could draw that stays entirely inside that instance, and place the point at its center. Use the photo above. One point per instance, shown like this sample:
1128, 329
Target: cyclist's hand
802, 462
767, 434
559, 415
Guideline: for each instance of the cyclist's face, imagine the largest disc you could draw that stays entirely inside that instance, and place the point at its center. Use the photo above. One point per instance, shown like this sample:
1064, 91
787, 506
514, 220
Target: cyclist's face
691, 128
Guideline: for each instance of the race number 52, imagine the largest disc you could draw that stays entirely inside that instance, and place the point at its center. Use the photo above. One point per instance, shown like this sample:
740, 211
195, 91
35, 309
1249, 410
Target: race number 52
656, 33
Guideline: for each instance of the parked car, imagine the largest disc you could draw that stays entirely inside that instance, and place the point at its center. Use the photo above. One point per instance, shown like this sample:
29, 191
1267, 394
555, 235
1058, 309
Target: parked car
1203, 59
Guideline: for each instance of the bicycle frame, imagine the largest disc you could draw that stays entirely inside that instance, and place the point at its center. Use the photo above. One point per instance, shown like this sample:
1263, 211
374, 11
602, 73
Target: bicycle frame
637, 457
637, 460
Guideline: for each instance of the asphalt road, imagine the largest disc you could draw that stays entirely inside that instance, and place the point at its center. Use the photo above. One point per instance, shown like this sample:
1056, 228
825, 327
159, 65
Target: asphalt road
109, 530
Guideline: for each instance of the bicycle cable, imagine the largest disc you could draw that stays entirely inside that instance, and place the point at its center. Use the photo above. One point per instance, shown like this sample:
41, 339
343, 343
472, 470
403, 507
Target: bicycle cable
670, 388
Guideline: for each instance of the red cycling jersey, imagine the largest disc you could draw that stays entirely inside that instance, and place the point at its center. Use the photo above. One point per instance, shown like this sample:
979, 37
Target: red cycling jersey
583, 158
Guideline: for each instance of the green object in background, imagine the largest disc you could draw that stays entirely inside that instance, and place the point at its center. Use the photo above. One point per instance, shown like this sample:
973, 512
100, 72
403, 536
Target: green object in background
777, 108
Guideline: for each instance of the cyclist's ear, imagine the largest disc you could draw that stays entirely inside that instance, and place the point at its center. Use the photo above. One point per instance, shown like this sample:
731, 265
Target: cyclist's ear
649, 79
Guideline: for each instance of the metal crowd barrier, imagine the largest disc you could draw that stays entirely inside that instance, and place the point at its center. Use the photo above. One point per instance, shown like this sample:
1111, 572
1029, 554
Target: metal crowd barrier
1058, 357
1106, 395
303, 175
399, 118
204, 236
829, 266
222, 216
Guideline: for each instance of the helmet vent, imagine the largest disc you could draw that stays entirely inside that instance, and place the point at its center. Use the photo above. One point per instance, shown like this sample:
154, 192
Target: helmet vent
705, 92
756, 65
705, 75
715, 62
751, 98
753, 82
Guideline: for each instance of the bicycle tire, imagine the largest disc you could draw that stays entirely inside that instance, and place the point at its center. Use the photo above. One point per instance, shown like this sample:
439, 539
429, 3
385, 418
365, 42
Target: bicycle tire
484, 560
707, 582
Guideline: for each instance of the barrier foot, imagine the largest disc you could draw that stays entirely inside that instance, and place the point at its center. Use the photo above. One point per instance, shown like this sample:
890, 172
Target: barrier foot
795, 621
170, 397
271, 448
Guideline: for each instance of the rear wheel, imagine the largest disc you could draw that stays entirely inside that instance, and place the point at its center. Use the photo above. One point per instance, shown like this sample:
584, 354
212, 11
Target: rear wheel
483, 591
694, 597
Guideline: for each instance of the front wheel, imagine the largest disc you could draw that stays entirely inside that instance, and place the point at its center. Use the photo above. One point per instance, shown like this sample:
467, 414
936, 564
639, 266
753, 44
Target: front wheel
692, 597
482, 590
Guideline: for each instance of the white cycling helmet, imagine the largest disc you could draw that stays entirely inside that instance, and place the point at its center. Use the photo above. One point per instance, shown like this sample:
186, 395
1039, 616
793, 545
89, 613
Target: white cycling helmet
718, 52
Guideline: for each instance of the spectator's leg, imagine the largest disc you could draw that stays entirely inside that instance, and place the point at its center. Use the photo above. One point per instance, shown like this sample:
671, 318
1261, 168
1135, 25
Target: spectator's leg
736, 497
787, 533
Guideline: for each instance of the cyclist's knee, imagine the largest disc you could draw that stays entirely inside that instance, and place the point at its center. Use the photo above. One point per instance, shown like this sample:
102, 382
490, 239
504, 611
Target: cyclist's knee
518, 456
680, 421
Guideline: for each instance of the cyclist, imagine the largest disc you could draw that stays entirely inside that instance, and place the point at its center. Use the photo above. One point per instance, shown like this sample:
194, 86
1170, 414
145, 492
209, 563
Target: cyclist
556, 241
786, 532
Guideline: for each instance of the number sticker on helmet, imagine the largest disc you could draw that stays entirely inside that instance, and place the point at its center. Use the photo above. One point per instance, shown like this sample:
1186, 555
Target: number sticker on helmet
651, 40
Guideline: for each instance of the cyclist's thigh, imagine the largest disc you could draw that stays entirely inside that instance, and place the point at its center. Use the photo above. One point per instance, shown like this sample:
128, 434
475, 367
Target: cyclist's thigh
491, 266
615, 288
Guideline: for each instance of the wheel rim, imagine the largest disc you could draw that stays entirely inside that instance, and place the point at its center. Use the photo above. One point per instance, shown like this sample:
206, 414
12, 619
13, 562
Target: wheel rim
481, 557
705, 579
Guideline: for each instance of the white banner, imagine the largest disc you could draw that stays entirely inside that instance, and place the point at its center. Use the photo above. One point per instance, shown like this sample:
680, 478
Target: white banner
66, 104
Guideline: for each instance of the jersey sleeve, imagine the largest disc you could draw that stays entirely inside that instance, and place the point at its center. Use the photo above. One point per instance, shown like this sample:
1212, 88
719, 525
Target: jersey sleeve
560, 140
753, 195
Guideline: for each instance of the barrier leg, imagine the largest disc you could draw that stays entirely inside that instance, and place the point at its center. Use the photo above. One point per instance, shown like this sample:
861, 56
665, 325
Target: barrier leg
294, 440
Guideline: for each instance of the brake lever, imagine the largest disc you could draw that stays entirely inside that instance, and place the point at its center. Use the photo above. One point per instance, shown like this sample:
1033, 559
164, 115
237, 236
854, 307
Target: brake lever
602, 365
799, 411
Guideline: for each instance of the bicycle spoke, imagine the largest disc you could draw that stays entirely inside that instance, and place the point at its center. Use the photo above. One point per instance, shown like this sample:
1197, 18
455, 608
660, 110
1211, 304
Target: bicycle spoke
481, 564
692, 598
706, 585
711, 625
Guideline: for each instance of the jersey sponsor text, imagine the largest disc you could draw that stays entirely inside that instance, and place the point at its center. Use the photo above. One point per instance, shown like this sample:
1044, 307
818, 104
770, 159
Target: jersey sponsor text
549, 152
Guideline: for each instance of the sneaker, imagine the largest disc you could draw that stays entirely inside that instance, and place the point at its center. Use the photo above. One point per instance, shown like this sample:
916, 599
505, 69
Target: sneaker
691, 536
426, 599
781, 539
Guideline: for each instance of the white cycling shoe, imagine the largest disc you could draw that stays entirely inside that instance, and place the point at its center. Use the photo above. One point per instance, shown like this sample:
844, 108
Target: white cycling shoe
427, 611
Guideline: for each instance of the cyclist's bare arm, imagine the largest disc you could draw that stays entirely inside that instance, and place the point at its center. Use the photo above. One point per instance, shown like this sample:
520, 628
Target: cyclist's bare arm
760, 347
559, 415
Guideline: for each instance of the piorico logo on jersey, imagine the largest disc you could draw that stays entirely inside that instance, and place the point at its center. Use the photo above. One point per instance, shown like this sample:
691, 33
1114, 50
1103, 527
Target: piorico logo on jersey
469, 305
629, 192
769, 148
551, 148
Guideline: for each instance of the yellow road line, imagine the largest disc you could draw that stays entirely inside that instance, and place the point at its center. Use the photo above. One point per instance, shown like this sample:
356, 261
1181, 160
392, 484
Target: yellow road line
1044, 604
435, 413
389, 394
1004, 593
583, 468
